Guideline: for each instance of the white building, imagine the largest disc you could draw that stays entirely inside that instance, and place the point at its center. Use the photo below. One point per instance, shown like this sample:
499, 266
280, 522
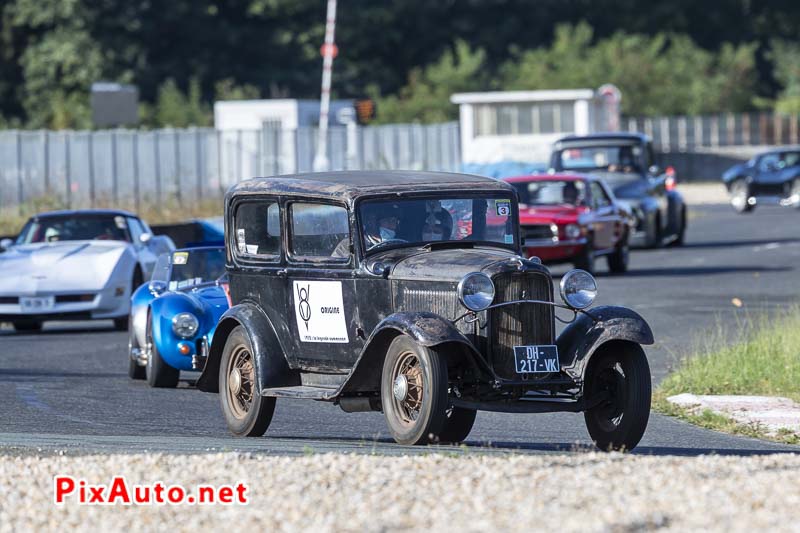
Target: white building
521, 126
241, 123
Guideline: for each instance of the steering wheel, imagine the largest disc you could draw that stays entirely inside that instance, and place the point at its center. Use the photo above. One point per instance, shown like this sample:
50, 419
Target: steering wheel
387, 242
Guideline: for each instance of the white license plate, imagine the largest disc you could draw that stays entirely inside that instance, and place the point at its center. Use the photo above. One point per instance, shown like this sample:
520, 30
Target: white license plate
36, 304
536, 359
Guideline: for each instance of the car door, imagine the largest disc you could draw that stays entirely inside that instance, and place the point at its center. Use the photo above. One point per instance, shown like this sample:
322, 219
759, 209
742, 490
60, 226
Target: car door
323, 312
147, 258
258, 276
768, 170
605, 216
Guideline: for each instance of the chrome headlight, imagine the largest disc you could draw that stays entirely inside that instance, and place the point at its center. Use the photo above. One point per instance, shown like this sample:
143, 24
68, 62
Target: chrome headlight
578, 289
572, 231
185, 325
476, 291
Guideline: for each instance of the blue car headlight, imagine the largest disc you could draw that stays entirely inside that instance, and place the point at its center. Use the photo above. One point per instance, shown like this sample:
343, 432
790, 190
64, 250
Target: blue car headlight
185, 325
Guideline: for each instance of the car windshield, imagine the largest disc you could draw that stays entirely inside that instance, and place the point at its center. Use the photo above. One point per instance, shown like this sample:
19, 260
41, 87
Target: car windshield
75, 228
551, 192
192, 267
624, 159
421, 221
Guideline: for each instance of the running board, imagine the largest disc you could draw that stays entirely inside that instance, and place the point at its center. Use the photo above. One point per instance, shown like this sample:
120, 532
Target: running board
301, 392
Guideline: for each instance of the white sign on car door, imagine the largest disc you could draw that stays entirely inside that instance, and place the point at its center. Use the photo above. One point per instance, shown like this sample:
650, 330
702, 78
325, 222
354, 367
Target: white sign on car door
319, 310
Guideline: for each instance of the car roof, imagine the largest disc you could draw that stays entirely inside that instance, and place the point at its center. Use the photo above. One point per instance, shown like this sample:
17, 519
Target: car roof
624, 136
556, 176
351, 184
79, 212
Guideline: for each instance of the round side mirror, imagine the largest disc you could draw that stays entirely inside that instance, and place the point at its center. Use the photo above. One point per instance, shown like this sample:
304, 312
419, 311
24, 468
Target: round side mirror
144, 238
5, 244
157, 286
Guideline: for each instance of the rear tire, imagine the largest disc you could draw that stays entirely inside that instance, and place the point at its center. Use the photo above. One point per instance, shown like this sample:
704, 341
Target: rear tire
586, 260
620, 371
654, 233
681, 238
619, 260
740, 196
414, 392
27, 325
246, 412
458, 425
121, 324
159, 373
795, 192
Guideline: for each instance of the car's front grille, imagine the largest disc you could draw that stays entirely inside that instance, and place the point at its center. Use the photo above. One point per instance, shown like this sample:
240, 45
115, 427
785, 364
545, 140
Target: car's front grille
443, 302
539, 232
519, 324
73, 298
9, 300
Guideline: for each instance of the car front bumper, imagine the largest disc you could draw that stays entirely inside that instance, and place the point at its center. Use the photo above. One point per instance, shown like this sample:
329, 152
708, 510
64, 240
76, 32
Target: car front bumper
105, 304
549, 250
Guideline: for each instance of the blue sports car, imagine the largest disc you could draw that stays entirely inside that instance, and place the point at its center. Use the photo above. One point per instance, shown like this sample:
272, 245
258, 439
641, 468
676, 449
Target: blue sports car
173, 317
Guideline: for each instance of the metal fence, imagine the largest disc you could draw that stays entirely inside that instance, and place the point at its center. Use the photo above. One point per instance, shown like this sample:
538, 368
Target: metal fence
687, 133
131, 167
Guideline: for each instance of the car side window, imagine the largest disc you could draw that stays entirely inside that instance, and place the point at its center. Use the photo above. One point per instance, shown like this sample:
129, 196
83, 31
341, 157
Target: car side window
599, 197
257, 229
319, 232
136, 230
768, 163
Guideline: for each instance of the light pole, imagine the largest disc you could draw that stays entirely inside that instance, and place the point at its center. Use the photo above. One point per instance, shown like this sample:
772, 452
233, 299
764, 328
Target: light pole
329, 51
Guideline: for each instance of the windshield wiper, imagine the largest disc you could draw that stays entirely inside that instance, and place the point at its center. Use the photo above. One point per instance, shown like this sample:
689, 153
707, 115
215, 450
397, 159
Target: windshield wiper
447, 245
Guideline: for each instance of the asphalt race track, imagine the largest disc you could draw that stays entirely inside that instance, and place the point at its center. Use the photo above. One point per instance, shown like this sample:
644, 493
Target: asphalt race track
67, 387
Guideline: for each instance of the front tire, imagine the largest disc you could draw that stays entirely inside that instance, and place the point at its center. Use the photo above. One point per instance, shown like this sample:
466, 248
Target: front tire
247, 413
159, 373
414, 392
458, 425
620, 372
740, 197
27, 326
681, 238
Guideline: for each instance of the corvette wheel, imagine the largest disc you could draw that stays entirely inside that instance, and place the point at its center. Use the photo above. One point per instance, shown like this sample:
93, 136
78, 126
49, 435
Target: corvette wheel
795, 193
740, 197
27, 325
247, 413
414, 393
620, 376
158, 372
585, 259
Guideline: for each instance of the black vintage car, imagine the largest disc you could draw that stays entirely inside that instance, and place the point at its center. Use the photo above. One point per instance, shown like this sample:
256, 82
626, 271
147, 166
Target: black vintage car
406, 292
627, 163
771, 177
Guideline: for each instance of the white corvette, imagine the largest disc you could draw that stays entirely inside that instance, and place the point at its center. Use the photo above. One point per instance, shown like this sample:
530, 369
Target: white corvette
76, 265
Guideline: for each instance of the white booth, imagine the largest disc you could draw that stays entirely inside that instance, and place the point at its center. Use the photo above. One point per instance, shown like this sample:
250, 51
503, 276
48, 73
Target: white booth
521, 126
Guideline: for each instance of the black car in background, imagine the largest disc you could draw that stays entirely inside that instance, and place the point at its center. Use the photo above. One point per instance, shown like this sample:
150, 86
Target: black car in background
406, 293
626, 162
771, 177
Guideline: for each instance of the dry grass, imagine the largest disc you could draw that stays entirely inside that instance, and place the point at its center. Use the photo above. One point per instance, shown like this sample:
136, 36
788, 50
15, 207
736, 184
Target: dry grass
166, 211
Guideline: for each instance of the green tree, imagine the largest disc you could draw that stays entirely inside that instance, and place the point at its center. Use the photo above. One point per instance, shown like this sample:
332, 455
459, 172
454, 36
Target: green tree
426, 97
785, 57
659, 74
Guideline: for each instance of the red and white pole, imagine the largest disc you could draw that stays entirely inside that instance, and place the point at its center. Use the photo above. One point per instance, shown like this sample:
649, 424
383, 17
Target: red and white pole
329, 51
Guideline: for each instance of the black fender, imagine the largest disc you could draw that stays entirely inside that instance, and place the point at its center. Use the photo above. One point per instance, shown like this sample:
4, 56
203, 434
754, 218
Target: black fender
595, 327
272, 369
426, 328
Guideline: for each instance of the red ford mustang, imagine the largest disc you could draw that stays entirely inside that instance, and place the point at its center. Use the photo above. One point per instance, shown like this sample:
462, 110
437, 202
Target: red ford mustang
572, 218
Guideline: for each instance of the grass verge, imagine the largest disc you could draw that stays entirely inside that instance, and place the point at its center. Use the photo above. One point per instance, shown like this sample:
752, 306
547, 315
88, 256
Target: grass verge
764, 360
168, 210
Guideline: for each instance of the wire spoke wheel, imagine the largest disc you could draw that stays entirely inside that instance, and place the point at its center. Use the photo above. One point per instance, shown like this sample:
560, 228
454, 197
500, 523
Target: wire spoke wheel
241, 380
408, 388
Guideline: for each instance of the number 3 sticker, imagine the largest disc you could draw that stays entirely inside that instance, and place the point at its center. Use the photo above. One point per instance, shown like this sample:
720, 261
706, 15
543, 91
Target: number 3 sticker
503, 209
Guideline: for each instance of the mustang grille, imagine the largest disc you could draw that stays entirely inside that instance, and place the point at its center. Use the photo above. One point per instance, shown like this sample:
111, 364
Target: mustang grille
539, 232
519, 324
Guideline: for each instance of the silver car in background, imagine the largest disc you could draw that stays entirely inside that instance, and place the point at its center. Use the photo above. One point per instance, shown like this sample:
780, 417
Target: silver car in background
76, 265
